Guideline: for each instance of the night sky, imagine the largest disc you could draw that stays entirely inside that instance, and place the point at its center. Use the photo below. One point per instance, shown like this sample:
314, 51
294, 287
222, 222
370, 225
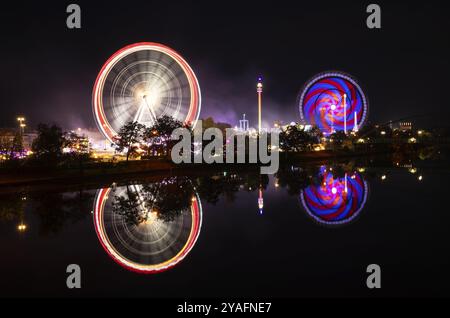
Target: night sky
48, 70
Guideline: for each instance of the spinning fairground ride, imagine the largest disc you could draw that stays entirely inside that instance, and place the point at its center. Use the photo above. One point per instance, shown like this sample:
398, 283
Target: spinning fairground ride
333, 101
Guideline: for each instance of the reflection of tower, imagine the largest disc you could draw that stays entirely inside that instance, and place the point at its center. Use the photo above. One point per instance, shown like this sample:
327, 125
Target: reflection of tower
243, 124
259, 90
260, 201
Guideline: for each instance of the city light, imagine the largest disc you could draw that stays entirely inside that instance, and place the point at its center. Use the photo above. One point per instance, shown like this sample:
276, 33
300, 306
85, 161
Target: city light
22, 125
413, 170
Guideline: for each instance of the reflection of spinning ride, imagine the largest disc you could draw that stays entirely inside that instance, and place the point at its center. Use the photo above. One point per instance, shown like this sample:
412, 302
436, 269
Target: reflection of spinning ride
147, 247
336, 201
333, 101
143, 82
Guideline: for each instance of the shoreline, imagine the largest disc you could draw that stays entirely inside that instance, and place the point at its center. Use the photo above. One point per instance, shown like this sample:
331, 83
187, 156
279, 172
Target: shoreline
93, 173
102, 171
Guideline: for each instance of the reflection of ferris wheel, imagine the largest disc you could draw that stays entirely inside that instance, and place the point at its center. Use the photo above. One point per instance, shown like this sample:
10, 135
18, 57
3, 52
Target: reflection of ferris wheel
142, 82
149, 247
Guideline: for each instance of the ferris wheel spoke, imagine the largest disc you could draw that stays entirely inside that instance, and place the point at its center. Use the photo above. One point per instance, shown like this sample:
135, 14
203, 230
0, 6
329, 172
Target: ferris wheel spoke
122, 110
178, 88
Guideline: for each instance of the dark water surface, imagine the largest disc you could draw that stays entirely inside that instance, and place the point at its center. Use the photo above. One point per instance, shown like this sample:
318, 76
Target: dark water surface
317, 232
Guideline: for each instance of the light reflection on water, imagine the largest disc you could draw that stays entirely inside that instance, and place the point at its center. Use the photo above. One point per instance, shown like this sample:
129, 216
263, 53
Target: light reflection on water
335, 200
149, 228
165, 224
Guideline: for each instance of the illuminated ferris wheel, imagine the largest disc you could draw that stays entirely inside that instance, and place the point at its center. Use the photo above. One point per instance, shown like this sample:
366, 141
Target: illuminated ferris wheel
333, 101
142, 82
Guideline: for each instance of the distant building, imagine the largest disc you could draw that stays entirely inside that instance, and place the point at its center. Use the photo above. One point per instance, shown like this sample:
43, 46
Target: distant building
7, 135
78, 143
405, 126
299, 126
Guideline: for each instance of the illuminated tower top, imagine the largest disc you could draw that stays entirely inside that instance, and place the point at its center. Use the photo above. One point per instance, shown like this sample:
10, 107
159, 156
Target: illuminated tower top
259, 86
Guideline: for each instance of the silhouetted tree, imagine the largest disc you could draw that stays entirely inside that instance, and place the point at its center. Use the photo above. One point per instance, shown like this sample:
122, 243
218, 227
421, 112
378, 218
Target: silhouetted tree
167, 199
128, 137
49, 143
11, 206
159, 135
130, 207
316, 134
210, 188
338, 138
296, 179
5, 147
296, 139
17, 145
210, 123
56, 209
